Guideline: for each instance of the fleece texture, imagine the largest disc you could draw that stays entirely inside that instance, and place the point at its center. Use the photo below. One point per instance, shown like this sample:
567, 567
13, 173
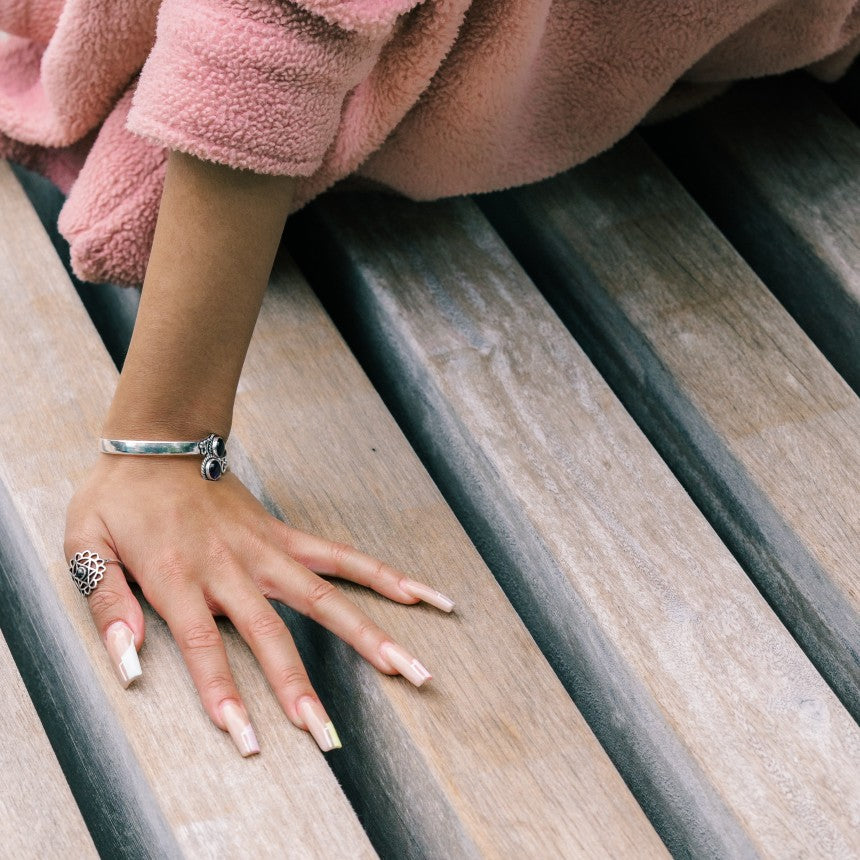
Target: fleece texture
429, 98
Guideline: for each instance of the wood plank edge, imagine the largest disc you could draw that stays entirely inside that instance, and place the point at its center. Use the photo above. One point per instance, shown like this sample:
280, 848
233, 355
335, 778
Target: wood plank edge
110, 307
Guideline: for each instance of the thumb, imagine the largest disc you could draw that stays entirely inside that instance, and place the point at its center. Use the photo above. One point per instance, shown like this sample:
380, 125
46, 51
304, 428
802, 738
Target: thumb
115, 610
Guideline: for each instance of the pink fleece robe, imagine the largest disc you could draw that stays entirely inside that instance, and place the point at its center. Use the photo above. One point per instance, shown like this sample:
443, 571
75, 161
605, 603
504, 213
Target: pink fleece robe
427, 97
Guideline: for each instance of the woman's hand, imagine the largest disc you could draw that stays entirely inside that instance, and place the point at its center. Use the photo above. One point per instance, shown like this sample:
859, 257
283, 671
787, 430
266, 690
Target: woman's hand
202, 548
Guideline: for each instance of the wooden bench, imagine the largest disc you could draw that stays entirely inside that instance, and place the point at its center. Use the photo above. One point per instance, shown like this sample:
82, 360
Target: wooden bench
661, 639
493, 757
710, 714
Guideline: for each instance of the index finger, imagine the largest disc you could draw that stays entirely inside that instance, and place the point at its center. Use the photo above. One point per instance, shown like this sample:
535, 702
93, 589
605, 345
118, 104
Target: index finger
347, 562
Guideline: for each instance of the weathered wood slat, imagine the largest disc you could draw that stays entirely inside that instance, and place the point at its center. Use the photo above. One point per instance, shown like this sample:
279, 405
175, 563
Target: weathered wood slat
776, 165
491, 759
728, 736
40, 818
153, 777
759, 427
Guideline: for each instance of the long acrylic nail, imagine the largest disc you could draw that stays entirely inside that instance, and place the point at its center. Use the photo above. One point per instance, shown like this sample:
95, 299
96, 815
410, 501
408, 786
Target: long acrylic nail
427, 594
405, 663
119, 641
240, 729
319, 725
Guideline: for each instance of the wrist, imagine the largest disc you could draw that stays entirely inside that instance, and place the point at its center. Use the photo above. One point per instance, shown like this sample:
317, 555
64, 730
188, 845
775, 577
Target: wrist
162, 428
212, 451
131, 417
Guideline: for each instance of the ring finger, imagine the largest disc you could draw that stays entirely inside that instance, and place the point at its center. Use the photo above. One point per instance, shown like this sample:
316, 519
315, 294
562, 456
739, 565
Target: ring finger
202, 647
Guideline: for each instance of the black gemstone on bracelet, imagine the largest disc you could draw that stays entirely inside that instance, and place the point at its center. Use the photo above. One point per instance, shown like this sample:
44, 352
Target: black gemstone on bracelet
213, 470
219, 449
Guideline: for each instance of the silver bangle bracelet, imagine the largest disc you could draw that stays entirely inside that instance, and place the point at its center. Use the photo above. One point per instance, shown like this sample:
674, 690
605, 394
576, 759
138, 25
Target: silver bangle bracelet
213, 450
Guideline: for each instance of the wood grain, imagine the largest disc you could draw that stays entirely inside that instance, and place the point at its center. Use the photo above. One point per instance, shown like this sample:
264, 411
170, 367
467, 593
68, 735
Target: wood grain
40, 817
776, 165
726, 733
152, 775
491, 758
760, 428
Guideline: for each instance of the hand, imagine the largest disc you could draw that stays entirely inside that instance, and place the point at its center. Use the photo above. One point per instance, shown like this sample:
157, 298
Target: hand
202, 548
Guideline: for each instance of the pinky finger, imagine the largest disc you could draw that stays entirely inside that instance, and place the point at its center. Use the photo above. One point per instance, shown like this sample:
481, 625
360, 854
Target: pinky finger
115, 611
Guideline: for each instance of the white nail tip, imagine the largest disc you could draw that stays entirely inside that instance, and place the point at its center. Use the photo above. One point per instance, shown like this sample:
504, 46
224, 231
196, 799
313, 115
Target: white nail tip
319, 725
240, 729
427, 594
408, 666
123, 653
249, 744
129, 665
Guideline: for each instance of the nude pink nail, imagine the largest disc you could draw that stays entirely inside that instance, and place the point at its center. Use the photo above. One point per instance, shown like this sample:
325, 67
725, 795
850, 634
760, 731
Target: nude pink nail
427, 594
119, 641
319, 725
240, 728
405, 663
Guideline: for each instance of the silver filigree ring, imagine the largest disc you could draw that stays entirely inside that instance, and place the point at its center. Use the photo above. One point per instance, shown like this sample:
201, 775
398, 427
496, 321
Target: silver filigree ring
87, 569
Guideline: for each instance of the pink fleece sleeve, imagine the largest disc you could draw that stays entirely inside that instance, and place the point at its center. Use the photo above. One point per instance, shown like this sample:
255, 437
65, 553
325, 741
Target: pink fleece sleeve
258, 84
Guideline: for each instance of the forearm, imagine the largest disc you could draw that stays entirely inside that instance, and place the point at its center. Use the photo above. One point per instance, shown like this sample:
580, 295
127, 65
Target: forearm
217, 234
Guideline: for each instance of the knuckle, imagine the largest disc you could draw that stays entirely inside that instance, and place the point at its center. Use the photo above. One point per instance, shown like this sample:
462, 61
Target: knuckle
318, 594
77, 510
80, 535
265, 624
342, 553
255, 544
367, 630
171, 567
219, 555
292, 676
217, 684
285, 535
199, 637
379, 571
105, 600
71, 543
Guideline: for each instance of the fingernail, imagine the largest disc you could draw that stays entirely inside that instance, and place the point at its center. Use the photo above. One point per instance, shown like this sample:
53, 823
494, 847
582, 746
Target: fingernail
427, 594
240, 729
405, 663
319, 725
119, 641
